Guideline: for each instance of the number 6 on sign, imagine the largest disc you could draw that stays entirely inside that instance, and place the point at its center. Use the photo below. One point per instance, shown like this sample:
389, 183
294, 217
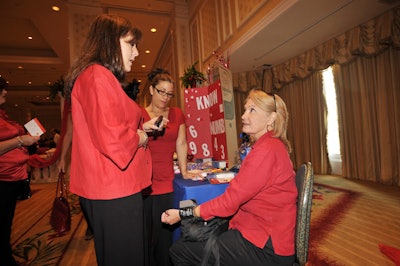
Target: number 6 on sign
192, 131
193, 148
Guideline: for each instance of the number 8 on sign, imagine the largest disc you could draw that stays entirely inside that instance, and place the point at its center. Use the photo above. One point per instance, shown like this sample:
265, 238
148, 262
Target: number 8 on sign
206, 152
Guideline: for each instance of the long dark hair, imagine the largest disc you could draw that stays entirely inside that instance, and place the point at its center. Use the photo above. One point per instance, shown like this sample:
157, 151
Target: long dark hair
102, 46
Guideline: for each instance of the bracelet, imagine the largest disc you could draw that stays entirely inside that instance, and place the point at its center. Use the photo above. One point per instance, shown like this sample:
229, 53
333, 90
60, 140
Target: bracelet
20, 142
186, 212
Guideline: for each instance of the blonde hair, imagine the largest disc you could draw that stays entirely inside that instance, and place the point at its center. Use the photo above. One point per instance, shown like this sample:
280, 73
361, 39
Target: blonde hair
273, 103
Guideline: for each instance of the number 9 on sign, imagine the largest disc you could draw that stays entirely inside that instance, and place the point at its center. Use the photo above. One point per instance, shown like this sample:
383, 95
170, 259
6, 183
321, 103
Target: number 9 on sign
193, 148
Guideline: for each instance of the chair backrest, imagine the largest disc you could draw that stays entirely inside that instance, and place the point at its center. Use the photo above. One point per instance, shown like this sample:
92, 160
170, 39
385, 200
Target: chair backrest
304, 183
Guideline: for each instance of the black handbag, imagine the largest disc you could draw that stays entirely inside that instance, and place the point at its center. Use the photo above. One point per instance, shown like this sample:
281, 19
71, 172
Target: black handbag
195, 229
24, 189
60, 218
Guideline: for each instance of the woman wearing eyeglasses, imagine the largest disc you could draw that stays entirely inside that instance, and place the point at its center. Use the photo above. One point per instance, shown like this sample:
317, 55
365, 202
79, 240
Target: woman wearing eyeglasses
162, 145
261, 199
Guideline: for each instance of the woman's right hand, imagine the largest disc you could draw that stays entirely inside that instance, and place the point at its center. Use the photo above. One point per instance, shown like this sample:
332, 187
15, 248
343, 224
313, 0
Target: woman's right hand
28, 140
170, 216
61, 165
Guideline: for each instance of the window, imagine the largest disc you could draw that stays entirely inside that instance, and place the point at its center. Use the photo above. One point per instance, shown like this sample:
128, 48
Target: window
333, 140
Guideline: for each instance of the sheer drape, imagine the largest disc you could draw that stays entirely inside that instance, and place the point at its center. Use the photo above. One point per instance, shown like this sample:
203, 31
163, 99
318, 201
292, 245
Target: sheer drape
368, 91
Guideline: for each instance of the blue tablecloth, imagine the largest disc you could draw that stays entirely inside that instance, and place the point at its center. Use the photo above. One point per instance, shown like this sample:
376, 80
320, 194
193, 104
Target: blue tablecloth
201, 191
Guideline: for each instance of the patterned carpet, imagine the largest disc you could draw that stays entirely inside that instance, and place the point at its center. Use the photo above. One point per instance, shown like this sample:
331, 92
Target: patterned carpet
38, 244
329, 205
34, 243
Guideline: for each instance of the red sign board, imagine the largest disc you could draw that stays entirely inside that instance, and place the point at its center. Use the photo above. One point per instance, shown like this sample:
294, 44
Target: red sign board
205, 122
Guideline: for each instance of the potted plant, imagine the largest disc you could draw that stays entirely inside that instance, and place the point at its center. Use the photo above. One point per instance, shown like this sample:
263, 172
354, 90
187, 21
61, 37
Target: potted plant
192, 77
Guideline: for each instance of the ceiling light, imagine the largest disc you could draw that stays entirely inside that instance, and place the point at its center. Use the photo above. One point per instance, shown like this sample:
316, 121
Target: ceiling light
20, 67
153, 29
55, 8
143, 66
30, 38
29, 82
147, 51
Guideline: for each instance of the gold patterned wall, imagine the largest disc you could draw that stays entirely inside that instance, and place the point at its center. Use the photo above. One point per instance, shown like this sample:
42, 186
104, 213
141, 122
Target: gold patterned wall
80, 19
195, 40
209, 28
244, 9
216, 24
225, 15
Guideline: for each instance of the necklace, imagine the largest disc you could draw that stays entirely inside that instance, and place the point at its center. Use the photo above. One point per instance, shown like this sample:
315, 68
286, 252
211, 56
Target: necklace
157, 113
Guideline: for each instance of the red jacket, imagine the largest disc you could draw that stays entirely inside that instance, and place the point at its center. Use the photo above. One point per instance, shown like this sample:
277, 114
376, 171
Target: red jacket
106, 162
262, 197
13, 162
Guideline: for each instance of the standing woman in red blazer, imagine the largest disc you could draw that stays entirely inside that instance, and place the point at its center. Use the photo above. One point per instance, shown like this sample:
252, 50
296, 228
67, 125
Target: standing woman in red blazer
110, 162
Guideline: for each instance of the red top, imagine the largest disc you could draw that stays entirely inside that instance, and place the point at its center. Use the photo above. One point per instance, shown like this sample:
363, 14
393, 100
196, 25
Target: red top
162, 150
262, 197
13, 162
106, 162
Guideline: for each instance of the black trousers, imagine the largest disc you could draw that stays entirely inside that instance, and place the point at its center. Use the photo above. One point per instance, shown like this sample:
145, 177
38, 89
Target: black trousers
118, 229
8, 201
158, 235
234, 250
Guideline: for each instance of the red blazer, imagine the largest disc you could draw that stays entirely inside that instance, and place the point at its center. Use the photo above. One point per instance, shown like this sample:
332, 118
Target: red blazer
13, 162
262, 197
106, 162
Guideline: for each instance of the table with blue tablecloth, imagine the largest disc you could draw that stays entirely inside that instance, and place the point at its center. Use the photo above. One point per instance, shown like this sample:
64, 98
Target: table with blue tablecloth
201, 191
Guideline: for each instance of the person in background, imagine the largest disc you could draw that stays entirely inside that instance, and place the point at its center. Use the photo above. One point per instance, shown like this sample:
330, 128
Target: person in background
67, 140
159, 196
56, 136
13, 170
262, 203
110, 162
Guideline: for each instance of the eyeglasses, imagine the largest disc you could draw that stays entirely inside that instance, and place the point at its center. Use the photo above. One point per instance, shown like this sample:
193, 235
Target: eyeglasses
273, 95
164, 93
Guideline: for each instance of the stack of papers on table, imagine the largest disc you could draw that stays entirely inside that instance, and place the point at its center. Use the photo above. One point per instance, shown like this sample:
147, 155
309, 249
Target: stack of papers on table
220, 177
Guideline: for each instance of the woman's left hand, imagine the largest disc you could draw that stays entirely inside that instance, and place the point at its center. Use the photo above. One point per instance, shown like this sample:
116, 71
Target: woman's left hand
170, 216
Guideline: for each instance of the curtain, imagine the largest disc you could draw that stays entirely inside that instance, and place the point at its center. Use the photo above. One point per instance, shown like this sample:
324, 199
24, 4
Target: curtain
368, 91
307, 127
366, 72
